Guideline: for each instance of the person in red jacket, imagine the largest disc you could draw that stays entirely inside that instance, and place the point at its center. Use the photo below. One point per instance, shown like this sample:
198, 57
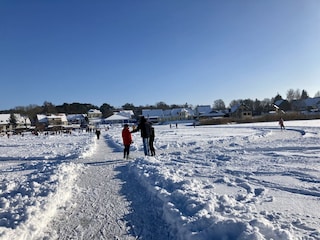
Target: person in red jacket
127, 140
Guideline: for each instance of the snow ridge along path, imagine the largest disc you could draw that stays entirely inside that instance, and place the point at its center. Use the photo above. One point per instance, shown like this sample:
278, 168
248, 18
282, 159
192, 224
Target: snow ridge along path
108, 202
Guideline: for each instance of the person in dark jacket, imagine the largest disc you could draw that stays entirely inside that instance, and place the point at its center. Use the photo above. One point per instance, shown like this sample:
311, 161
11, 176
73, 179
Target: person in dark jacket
98, 132
144, 128
151, 140
127, 140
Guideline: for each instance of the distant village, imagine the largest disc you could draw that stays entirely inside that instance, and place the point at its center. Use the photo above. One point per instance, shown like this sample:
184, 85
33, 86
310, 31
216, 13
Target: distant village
298, 109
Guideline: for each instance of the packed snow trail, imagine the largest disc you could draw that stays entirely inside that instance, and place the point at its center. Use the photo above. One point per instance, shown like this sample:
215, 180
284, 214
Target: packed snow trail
109, 203
245, 181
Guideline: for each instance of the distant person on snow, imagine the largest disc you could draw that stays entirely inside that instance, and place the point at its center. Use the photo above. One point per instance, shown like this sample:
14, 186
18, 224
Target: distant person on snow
98, 132
151, 140
144, 128
281, 123
127, 140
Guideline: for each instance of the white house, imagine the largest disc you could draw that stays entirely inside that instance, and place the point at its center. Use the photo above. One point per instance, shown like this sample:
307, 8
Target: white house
76, 118
53, 120
309, 104
126, 113
205, 111
240, 111
94, 113
182, 113
156, 115
5, 122
21, 121
120, 118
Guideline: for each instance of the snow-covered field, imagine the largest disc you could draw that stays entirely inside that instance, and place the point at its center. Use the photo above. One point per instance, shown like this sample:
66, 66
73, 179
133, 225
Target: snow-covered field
248, 181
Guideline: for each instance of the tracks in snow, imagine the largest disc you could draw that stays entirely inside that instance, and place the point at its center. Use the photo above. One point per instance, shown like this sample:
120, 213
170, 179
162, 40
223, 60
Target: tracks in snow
97, 209
110, 203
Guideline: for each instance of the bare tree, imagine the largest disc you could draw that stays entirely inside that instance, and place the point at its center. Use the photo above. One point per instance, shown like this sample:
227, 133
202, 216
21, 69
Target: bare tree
290, 95
297, 94
266, 105
234, 103
162, 105
219, 104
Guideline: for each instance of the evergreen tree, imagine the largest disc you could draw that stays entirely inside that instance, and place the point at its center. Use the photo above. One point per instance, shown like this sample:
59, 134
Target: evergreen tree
304, 95
257, 107
13, 120
107, 110
48, 108
128, 106
277, 98
162, 105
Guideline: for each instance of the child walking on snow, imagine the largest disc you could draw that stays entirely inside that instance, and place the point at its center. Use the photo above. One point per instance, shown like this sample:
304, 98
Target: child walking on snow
127, 140
281, 123
151, 140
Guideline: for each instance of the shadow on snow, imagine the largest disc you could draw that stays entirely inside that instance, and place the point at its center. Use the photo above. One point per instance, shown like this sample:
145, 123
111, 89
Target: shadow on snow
146, 217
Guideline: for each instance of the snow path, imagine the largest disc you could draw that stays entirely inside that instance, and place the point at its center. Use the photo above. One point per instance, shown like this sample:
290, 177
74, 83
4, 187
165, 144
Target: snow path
248, 181
109, 202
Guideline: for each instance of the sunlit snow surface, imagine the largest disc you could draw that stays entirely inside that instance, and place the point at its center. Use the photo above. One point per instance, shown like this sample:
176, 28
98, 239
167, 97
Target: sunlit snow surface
37, 175
248, 181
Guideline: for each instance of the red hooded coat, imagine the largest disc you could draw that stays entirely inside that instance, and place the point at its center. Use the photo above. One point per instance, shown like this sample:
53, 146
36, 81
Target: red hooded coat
126, 136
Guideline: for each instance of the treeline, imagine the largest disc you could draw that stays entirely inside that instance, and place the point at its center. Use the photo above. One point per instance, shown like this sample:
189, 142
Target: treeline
266, 105
257, 106
32, 110
107, 110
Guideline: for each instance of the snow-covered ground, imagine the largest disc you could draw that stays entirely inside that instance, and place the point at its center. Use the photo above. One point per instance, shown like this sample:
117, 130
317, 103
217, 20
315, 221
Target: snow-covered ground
246, 181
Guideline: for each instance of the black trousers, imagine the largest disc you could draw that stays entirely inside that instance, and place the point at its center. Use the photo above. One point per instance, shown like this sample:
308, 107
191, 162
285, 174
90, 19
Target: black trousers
126, 151
152, 151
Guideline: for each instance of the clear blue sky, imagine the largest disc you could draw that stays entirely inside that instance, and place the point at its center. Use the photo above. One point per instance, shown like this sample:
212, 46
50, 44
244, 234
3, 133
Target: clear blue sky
144, 52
